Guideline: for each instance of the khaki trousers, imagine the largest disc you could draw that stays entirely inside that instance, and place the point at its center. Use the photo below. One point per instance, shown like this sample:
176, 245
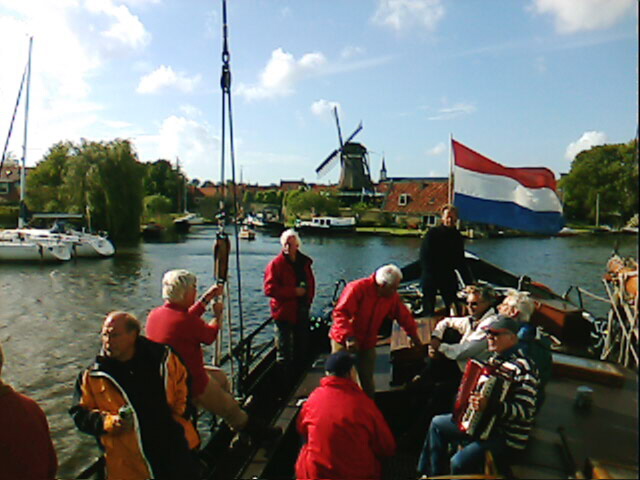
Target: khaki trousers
365, 366
218, 400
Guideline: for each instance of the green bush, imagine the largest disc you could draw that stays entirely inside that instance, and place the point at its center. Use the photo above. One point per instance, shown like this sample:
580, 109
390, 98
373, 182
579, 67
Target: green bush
9, 216
155, 204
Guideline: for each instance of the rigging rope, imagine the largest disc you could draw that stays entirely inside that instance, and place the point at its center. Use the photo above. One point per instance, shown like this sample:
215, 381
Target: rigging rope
225, 84
13, 118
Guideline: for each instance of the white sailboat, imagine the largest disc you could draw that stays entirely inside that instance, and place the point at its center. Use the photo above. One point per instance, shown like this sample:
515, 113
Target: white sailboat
27, 243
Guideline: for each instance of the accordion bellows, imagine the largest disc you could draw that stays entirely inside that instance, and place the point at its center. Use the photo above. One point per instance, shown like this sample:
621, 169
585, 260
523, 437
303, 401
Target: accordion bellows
489, 381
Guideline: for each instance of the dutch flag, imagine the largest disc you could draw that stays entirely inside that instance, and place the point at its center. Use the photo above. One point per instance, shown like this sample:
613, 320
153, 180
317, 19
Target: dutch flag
518, 198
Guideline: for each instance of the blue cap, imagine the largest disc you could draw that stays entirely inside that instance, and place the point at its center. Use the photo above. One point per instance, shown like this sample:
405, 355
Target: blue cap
339, 363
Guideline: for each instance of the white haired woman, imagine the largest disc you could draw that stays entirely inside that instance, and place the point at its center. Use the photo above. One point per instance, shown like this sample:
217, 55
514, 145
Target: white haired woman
179, 323
289, 281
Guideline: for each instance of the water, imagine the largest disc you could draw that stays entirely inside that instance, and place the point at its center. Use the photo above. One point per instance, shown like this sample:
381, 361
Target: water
51, 315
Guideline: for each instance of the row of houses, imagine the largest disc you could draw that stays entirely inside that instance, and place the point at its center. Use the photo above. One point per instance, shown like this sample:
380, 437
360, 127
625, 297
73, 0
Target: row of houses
409, 201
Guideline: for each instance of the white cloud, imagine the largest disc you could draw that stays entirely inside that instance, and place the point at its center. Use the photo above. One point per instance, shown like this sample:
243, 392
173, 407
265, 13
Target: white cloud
439, 149
192, 141
121, 26
585, 142
165, 77
322, 107
402, 14
575, 15
453, 111
73, 40
281, 73
351, 51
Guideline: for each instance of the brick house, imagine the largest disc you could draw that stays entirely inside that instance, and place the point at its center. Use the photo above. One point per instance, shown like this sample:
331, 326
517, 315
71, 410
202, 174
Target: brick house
415, 202
10, 183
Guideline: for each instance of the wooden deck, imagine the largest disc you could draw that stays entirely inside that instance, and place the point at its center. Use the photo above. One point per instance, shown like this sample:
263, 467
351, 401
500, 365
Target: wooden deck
606, 434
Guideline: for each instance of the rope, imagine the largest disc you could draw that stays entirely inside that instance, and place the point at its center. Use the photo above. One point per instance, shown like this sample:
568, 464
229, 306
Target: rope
593, 295
225, 84
13, 118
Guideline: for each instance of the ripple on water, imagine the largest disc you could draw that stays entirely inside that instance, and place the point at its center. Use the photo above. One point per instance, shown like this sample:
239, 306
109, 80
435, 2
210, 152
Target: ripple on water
51, 314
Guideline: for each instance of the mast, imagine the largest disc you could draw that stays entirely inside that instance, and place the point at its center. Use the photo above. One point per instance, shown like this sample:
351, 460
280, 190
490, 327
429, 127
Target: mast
23, 183
451, 169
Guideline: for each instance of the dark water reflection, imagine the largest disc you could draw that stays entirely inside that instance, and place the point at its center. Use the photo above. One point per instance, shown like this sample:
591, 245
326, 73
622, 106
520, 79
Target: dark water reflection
50, 315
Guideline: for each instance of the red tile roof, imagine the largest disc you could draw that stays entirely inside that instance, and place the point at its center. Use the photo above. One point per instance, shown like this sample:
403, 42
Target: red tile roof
424, 196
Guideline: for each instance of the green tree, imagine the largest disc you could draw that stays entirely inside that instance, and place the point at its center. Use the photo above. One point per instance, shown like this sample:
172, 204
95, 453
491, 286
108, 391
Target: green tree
299, 202
100, 179
154, 204
608, 175
161, 178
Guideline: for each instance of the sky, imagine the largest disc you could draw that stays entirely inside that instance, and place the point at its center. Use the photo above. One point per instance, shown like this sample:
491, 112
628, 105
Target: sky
526, 83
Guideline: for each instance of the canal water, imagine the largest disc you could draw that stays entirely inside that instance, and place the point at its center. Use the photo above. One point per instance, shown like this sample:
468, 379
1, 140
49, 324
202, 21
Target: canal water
50, 315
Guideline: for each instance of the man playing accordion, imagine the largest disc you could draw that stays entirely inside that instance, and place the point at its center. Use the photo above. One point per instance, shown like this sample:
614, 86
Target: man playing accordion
513, 415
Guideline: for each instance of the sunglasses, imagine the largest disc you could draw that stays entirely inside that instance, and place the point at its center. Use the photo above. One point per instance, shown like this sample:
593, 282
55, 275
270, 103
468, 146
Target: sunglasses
494, 334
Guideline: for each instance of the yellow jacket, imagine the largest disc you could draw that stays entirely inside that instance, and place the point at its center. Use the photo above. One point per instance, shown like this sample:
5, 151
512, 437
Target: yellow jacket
108, 385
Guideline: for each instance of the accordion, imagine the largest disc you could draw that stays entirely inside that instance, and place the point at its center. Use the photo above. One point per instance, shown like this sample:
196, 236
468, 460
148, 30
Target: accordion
490, 381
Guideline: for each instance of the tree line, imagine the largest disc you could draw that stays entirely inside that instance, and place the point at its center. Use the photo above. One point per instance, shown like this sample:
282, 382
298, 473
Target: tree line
603, 181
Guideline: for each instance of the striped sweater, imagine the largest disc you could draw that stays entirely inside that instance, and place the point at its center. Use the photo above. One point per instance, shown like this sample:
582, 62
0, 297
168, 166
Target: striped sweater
516, 414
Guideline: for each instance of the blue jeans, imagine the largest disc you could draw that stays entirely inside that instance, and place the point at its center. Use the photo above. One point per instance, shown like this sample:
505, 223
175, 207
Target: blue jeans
434, 458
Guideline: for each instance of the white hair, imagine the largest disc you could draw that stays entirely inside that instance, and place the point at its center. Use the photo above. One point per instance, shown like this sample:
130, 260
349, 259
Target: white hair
175, 284
522, 302
388, 275
289, 233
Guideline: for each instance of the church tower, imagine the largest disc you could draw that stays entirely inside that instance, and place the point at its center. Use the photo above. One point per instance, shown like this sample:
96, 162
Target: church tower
383, 172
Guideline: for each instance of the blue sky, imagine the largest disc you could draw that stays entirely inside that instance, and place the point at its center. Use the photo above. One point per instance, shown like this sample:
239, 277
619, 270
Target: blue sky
527, 83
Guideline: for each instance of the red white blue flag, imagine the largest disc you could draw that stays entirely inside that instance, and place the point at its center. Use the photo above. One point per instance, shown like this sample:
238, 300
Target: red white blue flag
518, 198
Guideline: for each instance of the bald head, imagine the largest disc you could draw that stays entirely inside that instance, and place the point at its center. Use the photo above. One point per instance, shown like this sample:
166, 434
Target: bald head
119, 333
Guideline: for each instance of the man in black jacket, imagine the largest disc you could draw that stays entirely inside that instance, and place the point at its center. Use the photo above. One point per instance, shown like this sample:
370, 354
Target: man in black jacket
441, 253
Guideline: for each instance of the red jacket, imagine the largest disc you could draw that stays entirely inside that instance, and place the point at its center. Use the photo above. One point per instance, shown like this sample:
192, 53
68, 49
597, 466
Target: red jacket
345, 433
360, 312
184, 331
280, 284
26, 451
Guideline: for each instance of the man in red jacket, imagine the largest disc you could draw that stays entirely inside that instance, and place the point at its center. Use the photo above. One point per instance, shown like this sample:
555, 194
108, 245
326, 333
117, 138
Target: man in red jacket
26, 451
361, 309
344, 433
289, 281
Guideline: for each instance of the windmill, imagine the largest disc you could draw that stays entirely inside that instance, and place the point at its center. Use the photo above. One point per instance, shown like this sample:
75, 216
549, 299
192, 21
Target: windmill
354, 174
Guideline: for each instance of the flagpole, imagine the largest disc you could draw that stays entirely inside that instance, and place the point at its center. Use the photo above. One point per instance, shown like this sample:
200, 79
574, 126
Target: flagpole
450, 169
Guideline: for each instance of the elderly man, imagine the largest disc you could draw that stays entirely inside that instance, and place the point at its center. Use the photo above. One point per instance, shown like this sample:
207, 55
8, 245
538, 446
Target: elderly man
178, 323
441, 254
514, 415
133, 400
344, 433
26, 451
359, 313
291, 285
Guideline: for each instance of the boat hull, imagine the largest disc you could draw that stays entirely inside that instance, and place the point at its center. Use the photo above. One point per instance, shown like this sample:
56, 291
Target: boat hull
32, 251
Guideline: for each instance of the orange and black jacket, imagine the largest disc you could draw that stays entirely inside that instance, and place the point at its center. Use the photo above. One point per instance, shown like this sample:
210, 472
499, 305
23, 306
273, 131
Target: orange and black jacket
154, 383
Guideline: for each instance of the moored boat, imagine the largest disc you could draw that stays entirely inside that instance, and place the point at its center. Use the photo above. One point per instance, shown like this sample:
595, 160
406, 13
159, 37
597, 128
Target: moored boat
327, 225
246, 233
25, 250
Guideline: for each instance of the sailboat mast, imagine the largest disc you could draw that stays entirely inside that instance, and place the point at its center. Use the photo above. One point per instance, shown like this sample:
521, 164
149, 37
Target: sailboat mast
23, 183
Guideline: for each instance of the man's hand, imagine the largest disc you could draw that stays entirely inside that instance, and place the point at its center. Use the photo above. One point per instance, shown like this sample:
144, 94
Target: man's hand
416, 341
434, 345
115, 423
212, 291
478, 402
218, 309
352, 344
